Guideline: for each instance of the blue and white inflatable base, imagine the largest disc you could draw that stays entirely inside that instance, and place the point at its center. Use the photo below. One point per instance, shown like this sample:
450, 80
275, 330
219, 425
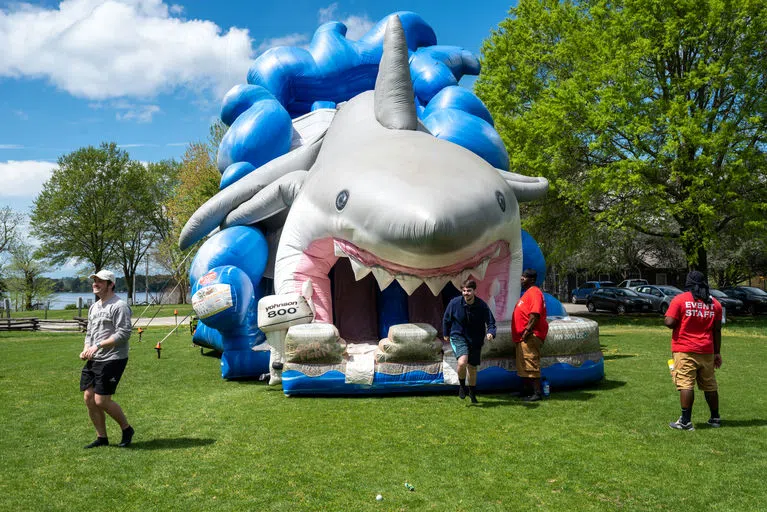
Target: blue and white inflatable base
570, 358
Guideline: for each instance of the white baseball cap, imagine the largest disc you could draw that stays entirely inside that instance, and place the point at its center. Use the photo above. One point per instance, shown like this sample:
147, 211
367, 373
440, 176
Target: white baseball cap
104, 275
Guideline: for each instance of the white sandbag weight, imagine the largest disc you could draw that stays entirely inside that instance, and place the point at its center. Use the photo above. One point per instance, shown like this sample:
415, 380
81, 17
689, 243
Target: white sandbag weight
412, 333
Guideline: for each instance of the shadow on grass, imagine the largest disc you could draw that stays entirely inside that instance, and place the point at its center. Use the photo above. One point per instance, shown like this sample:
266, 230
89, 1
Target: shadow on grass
611, 357
254, 380
738, 423
588, 392
492, 400
210, 353
171, 444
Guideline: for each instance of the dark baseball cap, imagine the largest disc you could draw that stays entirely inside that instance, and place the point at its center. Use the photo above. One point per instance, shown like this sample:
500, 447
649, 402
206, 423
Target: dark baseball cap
531, 273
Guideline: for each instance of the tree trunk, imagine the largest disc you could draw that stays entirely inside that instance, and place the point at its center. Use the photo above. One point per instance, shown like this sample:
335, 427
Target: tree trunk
29, 292
129, 282
182, 289
694, 250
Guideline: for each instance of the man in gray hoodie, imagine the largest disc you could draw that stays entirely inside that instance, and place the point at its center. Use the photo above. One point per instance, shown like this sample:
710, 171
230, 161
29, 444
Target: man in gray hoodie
106, 353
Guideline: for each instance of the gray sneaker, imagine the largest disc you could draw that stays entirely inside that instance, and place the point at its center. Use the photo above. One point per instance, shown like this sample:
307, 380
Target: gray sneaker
714, 422
681, 426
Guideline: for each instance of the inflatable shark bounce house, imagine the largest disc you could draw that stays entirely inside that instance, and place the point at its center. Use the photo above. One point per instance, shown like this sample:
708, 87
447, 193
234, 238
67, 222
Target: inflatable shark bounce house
360, 186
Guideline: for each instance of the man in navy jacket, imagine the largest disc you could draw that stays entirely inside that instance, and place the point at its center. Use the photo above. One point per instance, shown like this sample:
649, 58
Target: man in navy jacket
466, 324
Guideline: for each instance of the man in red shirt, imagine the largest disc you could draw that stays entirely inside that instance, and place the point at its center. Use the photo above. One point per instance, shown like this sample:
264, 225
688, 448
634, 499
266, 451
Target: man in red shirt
528, 330
696, 319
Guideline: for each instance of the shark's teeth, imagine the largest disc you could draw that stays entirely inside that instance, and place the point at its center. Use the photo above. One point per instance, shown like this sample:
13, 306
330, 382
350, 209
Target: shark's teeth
436, 284
383, 277
359, 269
479, 271
409, 283
495, 288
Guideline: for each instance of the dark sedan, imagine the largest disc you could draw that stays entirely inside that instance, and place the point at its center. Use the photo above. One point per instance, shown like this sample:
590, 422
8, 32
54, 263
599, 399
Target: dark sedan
729, 304
620, 300
754, 299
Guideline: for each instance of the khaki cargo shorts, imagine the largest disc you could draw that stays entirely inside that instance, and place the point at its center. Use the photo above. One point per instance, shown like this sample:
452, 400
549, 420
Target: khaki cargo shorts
690, 368
529, 357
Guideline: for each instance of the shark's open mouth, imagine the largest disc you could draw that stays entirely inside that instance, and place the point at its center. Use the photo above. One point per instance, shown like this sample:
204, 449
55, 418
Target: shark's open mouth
369, 293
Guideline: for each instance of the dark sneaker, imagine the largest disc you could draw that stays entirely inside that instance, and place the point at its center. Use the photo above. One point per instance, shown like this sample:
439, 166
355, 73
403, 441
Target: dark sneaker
714, 422
681, 426
127, 437
535, 397
100, 441
461, 392
473, 397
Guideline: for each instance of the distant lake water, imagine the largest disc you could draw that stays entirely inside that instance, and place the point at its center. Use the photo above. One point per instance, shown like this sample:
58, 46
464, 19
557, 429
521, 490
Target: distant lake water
60, 300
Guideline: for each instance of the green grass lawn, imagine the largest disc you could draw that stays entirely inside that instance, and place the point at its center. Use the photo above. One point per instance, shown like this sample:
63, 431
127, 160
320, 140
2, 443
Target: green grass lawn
144, 311
206, 444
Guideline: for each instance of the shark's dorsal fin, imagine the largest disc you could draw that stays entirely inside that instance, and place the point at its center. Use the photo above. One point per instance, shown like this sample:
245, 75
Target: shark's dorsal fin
394, 99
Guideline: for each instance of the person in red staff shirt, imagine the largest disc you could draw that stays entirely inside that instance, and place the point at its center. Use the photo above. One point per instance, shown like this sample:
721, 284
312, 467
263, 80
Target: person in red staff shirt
528, 330
696, 319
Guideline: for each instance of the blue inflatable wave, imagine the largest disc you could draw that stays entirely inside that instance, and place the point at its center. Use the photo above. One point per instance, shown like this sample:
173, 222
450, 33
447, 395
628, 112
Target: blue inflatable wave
287, 82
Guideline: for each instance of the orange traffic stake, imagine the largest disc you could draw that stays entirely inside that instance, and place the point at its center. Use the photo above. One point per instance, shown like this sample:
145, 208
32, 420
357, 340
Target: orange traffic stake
158, 348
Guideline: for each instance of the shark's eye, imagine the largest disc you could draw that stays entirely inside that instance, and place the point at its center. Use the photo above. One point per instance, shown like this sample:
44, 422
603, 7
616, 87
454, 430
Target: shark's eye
498, 196
341, 199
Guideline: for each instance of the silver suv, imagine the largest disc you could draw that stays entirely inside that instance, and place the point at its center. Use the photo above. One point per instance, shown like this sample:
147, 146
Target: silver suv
631, 283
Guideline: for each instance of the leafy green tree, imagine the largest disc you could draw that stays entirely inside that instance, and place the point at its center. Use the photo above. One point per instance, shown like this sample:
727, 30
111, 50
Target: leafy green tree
197, 180
738, 255
645, 115
78, 213
9, 230
145, 189
26, 271
102, 207
9, 225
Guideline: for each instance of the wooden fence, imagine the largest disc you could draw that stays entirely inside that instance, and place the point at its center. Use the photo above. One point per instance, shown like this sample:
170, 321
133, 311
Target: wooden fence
38, 324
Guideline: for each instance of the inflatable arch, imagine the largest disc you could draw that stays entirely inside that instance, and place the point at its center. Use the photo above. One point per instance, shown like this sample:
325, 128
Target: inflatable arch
362, 183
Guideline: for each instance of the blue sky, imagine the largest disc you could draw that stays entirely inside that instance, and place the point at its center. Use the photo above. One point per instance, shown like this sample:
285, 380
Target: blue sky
149, 75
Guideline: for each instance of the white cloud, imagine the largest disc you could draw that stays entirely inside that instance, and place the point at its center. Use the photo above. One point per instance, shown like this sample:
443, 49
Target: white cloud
138, 113
100, 49
328, 13
296, 39
11, 146
357, 26
24, 178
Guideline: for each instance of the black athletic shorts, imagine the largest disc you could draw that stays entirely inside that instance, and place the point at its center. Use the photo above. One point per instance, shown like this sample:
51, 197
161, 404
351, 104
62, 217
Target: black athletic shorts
103, 376
462, 347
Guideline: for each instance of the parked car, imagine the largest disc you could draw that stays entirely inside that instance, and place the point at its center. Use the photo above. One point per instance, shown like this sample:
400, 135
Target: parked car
620, 300
754, 299
582, 293
729, 304
659, 296
632, 283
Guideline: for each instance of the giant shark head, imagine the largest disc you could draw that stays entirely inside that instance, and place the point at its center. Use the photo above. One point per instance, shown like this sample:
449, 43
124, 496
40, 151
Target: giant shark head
396, 202
401, 204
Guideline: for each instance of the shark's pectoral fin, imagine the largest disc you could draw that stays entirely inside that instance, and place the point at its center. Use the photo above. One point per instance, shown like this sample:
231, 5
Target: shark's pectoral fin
212, 213
526, 188
271, 200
